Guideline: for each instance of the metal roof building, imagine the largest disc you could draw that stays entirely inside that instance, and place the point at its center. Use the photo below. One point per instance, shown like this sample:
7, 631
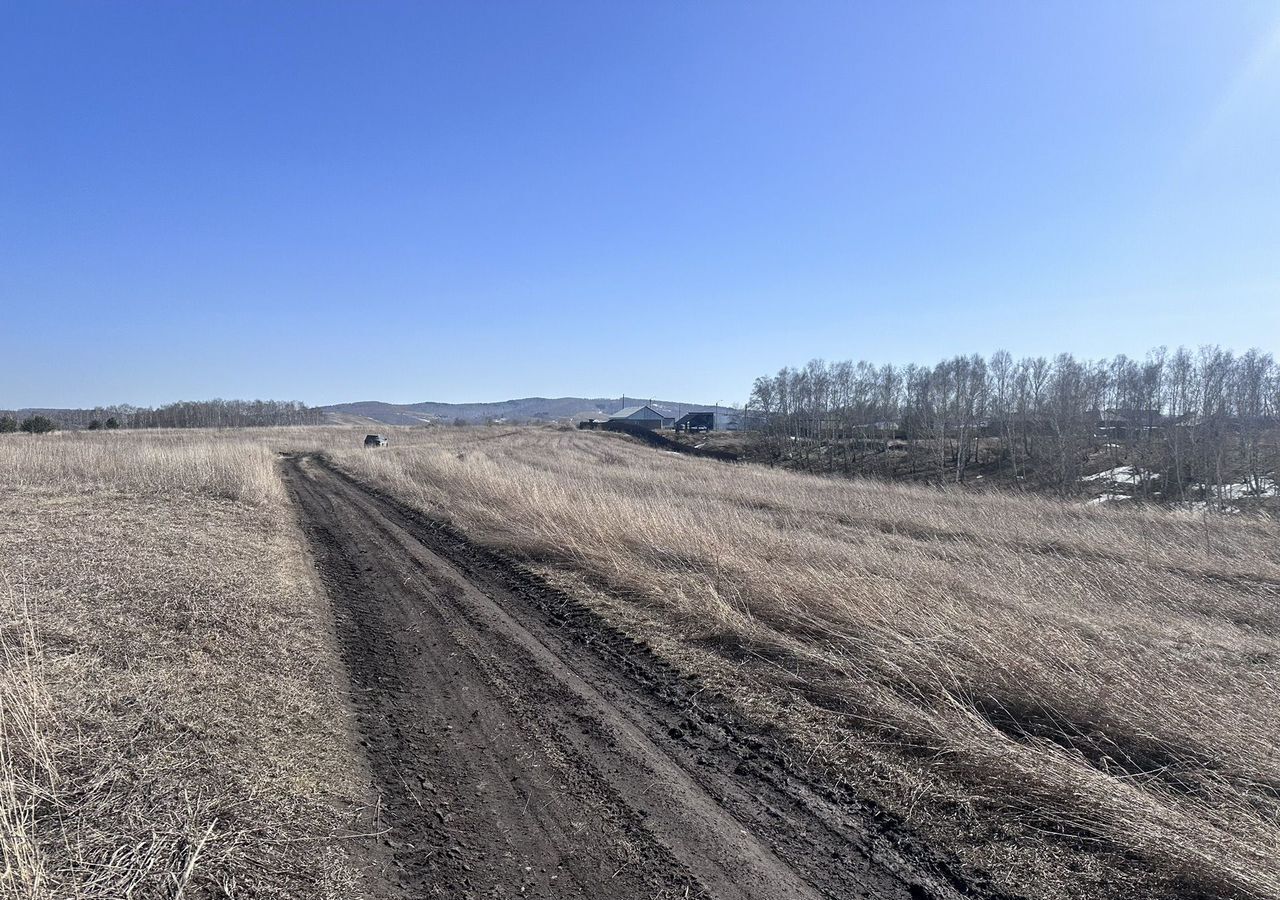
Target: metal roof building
645, 416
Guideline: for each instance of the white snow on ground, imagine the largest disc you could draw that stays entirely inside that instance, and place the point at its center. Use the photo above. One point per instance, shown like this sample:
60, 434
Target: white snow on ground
1266, 488
1119, 475
1200, 506
1217, 499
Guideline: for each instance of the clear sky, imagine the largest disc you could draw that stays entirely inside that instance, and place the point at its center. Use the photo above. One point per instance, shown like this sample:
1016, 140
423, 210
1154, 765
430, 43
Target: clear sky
483, 200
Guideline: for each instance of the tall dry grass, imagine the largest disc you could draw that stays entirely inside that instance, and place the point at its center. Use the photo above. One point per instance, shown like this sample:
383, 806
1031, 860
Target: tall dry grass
28, 772
172, 719
1079, 700
222, 464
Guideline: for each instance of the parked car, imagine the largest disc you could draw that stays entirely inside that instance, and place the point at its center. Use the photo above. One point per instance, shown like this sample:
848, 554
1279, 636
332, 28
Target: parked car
374, 440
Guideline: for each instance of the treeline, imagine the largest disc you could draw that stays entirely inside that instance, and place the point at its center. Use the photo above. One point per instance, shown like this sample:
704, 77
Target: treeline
187, 414
1192, 419
31, 424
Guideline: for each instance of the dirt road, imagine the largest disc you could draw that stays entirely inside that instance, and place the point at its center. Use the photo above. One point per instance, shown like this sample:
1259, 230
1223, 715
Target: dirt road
524, 748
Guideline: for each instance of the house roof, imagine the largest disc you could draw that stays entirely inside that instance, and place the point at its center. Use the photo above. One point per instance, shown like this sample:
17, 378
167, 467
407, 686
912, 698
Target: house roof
632, 410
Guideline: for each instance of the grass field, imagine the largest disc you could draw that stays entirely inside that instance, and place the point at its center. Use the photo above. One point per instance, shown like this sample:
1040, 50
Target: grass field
1075, 700
1080, 701
172, 714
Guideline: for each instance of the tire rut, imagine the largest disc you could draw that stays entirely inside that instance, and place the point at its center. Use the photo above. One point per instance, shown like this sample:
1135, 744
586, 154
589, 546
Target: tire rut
524, 748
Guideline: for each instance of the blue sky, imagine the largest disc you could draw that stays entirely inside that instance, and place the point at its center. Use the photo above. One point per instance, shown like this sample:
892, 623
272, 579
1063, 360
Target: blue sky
476, 201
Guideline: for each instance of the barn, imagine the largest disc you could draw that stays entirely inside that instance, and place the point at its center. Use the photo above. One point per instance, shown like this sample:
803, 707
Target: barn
644, 417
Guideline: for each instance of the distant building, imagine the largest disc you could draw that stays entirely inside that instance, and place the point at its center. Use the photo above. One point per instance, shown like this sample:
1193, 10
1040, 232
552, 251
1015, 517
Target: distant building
719, 420
1119, 423
696, 421
645, 417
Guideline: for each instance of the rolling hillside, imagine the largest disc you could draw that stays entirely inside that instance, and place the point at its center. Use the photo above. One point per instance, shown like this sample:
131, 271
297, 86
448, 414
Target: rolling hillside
529, 409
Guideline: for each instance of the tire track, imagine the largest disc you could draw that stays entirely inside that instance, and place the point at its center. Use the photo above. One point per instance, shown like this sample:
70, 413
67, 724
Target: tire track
523, 748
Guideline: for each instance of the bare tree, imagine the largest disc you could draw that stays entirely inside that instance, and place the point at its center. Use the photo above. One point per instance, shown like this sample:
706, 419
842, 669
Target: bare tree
1180, 420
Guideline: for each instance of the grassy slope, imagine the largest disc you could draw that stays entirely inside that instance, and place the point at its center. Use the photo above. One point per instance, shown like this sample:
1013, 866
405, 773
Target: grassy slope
1079, 701
171, 704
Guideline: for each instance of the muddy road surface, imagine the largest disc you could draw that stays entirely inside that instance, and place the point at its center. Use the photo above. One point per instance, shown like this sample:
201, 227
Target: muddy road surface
524, 748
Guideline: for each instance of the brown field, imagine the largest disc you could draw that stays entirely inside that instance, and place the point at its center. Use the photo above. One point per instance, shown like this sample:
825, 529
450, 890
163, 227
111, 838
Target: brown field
1078, 700
172, 715
1075, 701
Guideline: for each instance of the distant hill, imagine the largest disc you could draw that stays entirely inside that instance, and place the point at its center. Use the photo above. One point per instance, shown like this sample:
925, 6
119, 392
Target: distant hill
529, 409
364, 414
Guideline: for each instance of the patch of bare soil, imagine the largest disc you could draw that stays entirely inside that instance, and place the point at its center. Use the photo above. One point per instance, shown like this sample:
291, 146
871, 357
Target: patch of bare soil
523, 747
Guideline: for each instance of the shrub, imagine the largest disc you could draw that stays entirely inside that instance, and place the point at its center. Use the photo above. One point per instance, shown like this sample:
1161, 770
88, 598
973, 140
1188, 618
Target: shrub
113, 423
95, 425
38, 425
8, 425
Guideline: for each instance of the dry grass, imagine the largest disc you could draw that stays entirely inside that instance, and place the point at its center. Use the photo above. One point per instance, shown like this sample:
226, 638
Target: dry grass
1080, 701
228, 464
172, 719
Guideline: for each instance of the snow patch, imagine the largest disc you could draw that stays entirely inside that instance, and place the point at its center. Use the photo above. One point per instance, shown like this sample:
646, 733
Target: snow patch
1121, 475
1265, 487
1200, 506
